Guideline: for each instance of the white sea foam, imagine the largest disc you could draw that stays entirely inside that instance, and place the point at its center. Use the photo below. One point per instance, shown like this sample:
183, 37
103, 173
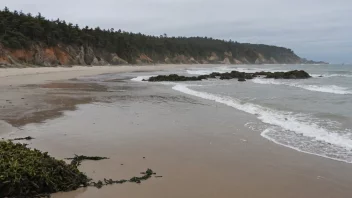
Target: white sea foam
254, 69
141, 78
298, 123
318, 88
331, 75
206, 71
334, 153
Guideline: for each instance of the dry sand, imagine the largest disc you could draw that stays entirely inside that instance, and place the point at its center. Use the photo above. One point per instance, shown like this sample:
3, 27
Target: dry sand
200, 148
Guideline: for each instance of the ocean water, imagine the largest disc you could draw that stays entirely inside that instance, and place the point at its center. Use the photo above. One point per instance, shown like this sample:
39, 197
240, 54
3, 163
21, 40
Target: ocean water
313, 115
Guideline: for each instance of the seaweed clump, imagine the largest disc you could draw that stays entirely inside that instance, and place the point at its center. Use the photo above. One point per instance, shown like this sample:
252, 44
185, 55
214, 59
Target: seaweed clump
28, 172
146, 175
25, 138
76, 161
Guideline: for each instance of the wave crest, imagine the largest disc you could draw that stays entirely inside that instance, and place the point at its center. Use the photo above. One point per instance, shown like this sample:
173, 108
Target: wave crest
318, 88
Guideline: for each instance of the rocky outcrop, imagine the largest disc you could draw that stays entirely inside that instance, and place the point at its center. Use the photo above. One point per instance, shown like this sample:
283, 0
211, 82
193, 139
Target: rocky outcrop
144, 59
39, 55
213, 58
241, 76
235, 61
193, 61
286, 75
226, 61
306, 61
116, 60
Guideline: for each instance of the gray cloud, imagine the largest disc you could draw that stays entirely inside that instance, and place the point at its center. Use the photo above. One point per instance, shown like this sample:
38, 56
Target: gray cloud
316, 29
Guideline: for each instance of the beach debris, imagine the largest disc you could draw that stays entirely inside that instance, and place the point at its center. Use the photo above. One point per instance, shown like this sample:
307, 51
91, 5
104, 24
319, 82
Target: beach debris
79, 158
26, 172
158, 176
138, 180
24, 138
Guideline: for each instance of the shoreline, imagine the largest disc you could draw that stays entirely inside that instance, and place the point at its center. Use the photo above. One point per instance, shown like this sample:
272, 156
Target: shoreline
58, 90
8, 76
200, 148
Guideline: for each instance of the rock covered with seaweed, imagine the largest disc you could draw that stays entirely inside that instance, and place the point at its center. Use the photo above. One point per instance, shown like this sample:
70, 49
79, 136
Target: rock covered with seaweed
241, 76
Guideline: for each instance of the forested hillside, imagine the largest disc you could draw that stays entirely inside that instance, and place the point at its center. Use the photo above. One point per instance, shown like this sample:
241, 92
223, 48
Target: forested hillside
34, 40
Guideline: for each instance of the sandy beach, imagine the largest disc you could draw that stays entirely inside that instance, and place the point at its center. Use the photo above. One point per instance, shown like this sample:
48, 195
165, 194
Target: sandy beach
200, 148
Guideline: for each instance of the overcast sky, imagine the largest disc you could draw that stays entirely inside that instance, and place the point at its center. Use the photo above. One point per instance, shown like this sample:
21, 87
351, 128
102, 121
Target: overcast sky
316, 29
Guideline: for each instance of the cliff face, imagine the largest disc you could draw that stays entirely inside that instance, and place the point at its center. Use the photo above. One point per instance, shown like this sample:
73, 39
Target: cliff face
67, 55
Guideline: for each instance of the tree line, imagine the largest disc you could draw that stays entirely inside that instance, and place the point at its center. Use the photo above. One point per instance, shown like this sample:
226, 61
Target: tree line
19, 30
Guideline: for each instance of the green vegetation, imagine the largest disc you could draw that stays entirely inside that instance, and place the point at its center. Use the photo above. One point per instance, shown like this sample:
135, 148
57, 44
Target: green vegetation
25, 172
19, 30
28, 172
146, 175
76, 161
25, 138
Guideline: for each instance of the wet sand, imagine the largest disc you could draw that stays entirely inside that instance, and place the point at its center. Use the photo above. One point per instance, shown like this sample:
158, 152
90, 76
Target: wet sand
32, 95
201, 149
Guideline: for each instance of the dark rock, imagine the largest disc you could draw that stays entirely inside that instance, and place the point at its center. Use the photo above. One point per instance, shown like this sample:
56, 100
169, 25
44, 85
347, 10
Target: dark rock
214, 75
249, 76
241, 79
289, 75
233, 74
173, 77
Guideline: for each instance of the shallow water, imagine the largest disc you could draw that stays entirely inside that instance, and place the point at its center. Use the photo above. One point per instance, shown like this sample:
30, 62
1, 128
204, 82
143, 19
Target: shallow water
311, 115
